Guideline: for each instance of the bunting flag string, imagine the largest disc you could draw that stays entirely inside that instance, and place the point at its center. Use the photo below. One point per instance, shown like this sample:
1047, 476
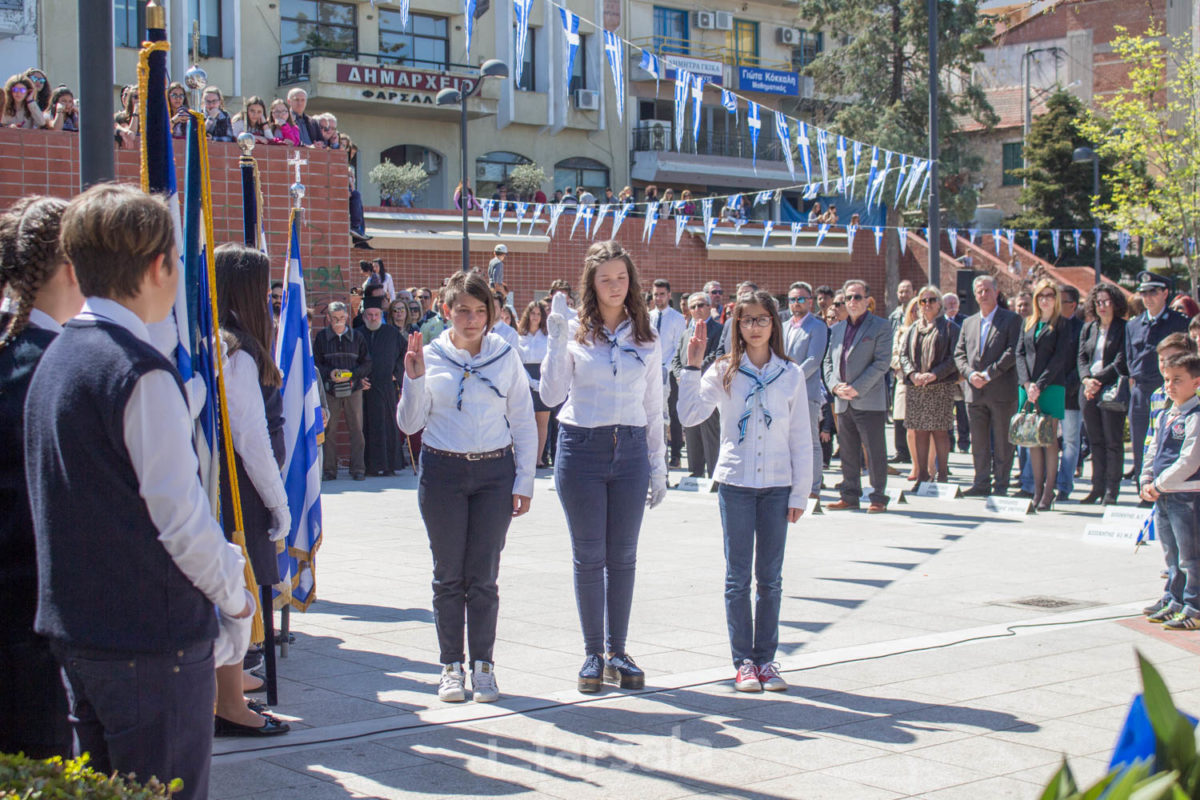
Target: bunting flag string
1054, 241
680, 223
952, 235
500, 217
851, 232
521, 10
768, 226
872, 174
823, 157
575, 224
802, 143
614, 46
901, 175
404, 14
878, 238
781, 130
1033, 239
619, 217
537, 214
649, 63
587, 213
697, 101
651, 221
857, 149
763, 197
1011, 235
522, 210
1077, 235
972, 233
681, 93
710, 225
822, 229
755, 125
796, 226
841, 160
706, 210
738, 222
902, 232
729, 101
996, 240
485, 207
600, 218
556, 211
570, 23
918, 176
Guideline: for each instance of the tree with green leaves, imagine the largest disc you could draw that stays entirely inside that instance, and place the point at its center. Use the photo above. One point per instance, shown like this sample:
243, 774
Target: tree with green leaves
878, 87
1058, 192
1149, 127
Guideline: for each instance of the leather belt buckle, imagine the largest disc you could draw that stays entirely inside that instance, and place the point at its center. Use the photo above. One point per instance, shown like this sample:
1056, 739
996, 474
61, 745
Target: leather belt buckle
475, 456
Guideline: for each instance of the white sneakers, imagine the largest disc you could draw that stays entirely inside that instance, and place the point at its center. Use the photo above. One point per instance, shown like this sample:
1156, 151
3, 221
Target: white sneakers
453, 685
750, 678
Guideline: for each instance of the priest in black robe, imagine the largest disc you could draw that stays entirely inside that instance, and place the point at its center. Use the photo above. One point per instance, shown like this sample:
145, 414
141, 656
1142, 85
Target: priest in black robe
387, 346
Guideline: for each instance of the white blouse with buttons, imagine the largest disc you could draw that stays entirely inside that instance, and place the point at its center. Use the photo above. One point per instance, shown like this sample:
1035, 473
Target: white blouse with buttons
776, 455
533, 350
594, 394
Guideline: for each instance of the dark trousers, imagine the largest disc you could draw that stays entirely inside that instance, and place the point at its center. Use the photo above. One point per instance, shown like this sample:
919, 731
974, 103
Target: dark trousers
352, 406
964, 427
675, 429
703, 446
1106, 433
992, 452
602, 475
33, 703
467, 508
1139, 420
755, 525
900, 440
856, 428
151, 714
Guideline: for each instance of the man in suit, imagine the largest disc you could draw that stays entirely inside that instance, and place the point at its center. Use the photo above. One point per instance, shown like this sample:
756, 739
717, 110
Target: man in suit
668, 325
856, 361
950, 309
704, 440
986, 356
804, 340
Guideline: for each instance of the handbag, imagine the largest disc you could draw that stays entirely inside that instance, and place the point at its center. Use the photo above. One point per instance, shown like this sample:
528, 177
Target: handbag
1030, 428
1116, 396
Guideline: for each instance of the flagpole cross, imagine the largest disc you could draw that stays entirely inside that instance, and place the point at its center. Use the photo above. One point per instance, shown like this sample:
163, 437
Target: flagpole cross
297, 161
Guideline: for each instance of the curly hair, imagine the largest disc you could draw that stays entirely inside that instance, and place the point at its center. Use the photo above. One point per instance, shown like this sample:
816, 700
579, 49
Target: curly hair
591, 323
11, 106
30, 255
1115, 295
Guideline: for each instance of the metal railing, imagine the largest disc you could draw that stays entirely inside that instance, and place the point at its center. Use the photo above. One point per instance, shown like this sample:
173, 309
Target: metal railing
658, 136
294, 67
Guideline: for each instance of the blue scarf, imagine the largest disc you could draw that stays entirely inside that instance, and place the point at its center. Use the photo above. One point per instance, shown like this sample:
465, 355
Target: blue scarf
614, 347
471, 369
757, 394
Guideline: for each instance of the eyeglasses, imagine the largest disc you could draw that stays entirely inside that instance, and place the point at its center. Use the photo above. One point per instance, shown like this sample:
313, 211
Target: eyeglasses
38, 79
1103, 301
716, 291
797, 299
19, 90
854, 297
928, 301
756, 322
1046, 296
698, 306
177, 96
838, 303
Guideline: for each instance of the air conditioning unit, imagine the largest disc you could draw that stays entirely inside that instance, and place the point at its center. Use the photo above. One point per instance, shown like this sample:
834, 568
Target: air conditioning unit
789, 36
587, 100
433, 162
705, 20
661, 135
723, 20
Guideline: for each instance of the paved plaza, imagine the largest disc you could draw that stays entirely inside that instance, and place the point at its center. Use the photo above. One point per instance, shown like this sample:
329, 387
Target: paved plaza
916, 669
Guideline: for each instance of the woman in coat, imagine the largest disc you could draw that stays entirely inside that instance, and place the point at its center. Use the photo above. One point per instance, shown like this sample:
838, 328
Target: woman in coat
1041, 369
1101, 361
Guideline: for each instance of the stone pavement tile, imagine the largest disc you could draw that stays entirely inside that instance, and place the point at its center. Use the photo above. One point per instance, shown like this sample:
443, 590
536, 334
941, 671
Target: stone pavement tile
719, 730
1116, 688
1108, 719
673, 662
336, 710
895, 734
313, 666
436, 780
1047, 702
989, 755
358, 757
905, 773
1086, 771
815, 786
314, 791
815, 715
247, 778
1059, 736
997, 788
813, 751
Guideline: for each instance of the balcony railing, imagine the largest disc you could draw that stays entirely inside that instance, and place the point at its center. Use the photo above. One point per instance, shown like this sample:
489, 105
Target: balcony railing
294, 67
657, 136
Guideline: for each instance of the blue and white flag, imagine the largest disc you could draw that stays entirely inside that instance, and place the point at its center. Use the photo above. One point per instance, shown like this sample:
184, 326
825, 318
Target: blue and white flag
650, 64
1011, 235
697, 101
916, 174
952, 235
578, 219
763, 197
902, 233
682, 84
925, 180
785, 140
1054, 234
843, 179
1123, 239
1033, 237
729, 101
587, 213
1146, 532
710, 225
1077, 234
802, 144
681, 222
706, 209
755, 125
522, 210
303, 431
735, 202
556, 211
854, 178
996, 240
880, 180
570, 23
795, 231
822, 229
823, 157
600, 213
403, 14
738, 222
972, 233
469, 10
651, 221
521, 9
502, 207
619, 215
900, 176
872, 174
614, 46
485, 208
537, 214
878, 229
768, 226
851, 233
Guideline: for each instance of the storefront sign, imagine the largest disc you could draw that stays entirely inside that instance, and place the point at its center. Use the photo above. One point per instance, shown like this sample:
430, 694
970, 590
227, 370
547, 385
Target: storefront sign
711, 71
403, 81
768, 81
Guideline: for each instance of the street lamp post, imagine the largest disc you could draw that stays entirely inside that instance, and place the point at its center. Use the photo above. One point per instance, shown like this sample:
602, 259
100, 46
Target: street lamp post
1081, 155
492, 68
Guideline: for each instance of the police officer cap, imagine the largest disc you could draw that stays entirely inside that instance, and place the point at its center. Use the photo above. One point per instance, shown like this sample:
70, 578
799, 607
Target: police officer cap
1151, 280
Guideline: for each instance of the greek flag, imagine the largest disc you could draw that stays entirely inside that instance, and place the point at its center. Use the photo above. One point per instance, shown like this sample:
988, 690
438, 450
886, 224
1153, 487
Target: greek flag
682, 84
871, 175
768, 225
619, 215
854, 177
729, 101
1076, 234
803, 144
1033, 237
841, 161
952, 235
823, 156
522, 9
878, 237
755, 125
785, 140
697, 99
570, 23
1054, 240
902, 232
651, 221
615, 48
404, 15
795, 231
650, 64
303, 430
900, 176
469, 10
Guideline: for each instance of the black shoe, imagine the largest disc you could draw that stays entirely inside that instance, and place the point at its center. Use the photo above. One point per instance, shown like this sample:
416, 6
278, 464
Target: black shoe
271, 727
1128, 475
976, 491
591, 674
899, 458
1091, 498
328, 476
1110, 499
360, 237
1023, 494
1062, 496
358, 476
363, 246
620, 669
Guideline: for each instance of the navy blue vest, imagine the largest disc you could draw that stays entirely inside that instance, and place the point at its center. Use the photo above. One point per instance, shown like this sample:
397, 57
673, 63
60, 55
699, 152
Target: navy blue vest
104, 579
1170, 440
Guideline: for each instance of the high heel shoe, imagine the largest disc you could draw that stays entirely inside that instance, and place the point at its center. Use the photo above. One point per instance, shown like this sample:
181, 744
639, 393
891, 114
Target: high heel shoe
1091, 498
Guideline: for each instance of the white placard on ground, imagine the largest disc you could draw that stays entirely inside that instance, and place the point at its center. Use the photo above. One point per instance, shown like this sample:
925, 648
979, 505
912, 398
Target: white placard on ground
942, 491
1116, 515
1119, 534
688, 483
894, 494
811, 508
1009, 506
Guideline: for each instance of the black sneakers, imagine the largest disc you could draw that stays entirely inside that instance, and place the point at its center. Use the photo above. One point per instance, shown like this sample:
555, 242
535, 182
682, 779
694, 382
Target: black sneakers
620, 669
591, 674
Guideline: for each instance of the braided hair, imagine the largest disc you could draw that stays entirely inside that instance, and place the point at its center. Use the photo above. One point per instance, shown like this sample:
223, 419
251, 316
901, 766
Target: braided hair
30, 255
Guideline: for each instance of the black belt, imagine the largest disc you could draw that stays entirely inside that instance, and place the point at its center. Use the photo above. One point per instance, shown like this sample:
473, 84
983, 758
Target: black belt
488, 456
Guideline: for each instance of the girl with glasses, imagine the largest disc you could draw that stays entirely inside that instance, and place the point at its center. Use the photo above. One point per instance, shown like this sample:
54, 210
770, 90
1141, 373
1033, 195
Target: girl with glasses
41, 90
285, 129
764, 472
20, 105
216, 119
930, 377
1042, 360
178, 108
611, 453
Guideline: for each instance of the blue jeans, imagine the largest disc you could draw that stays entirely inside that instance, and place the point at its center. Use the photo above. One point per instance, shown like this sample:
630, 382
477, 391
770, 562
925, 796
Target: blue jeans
601, 476
1175, 525
1071, 424
755, 523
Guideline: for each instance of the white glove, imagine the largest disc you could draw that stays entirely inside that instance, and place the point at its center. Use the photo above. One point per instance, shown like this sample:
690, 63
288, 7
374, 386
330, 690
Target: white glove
281, 523
197, 393
658, 491
556, 322
233, 637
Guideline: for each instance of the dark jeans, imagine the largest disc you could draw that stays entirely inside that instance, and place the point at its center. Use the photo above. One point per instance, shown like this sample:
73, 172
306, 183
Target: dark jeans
1106, 433
151, 714
991, 450
467, 508
602, 475
676, 429
33, 703
755, 523
1139, 421
854, 429
1176, 527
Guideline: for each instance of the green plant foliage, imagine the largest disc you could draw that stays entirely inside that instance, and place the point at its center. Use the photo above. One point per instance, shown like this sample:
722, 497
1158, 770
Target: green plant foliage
525, 179
395, 180
56, 778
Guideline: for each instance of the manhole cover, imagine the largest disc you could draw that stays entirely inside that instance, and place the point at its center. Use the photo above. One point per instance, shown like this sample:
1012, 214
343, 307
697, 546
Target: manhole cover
1045, 603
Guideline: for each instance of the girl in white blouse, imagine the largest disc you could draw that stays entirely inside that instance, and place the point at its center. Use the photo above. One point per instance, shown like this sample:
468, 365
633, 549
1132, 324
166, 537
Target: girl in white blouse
764, 469
610, 448
469, 391
532, 332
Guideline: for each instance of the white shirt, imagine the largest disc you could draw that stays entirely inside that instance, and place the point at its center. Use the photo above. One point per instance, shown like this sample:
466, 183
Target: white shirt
1098, 358
508, 333
248, 425
40, 319
985, 324
582, 376
486, 421
779, 455
533, 350
669, 325
158, 436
